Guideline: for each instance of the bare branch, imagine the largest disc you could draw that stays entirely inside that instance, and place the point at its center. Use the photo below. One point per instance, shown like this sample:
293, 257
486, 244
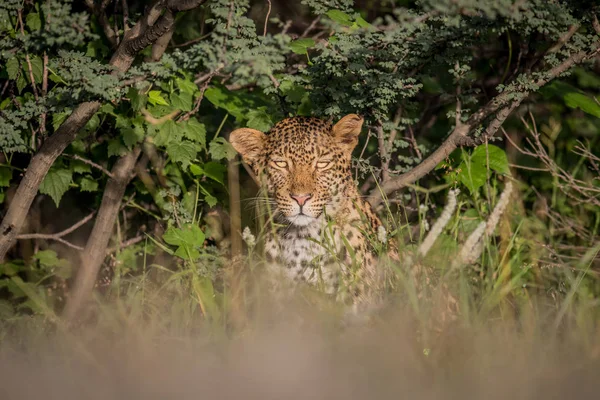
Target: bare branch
90, 163
151, 119
564, 39
58, 237
99, 11
127, 243
267, 18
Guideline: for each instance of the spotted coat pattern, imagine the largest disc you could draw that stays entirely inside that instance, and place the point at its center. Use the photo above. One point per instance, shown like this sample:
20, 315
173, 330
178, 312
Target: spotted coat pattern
322, 226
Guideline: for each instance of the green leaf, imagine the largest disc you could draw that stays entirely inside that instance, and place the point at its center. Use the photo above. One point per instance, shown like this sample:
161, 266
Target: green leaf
196, 170
56, 183
301, 46
187, 252
182, 101
33, 21
472, 175
134, 135
182, 152
47, 258
220, 149
138, 100
5, 176
116, 148
215, 171
88, 184
469, 220
12, 67
155, 97
21, 83
79, 167
497, 158
186, 86
259, 119
340, 17
37, 69
58, 119
188, 234
362, 23
169, 131
187, 238
195, 131
210, 199
584, 102
229, 101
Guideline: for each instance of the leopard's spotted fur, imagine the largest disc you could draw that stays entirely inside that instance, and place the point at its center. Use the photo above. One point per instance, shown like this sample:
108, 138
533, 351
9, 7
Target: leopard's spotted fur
324, 230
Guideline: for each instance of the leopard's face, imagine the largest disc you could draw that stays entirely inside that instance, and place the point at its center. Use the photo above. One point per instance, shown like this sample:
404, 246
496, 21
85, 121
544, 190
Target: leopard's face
304, 162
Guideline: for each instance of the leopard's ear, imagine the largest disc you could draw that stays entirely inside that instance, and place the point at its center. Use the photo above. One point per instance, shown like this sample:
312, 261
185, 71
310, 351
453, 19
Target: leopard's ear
347, 129
249, 143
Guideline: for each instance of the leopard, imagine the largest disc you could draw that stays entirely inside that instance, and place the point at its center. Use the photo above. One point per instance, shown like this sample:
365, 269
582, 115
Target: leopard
324, 231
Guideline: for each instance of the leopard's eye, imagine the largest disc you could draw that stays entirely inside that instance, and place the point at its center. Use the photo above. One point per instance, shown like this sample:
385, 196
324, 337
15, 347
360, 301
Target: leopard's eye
323, 164
280, 164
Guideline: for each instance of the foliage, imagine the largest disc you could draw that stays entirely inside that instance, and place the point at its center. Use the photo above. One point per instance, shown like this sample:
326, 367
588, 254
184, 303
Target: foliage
413, 69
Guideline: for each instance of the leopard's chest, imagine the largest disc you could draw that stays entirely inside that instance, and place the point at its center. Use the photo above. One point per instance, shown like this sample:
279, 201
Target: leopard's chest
301, 254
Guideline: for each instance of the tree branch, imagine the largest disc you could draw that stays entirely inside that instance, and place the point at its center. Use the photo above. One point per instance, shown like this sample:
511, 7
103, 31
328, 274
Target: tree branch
460, 134
59, 236
90, 163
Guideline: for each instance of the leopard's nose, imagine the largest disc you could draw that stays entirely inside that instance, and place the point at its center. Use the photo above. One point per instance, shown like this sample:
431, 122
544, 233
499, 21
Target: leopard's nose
301, 199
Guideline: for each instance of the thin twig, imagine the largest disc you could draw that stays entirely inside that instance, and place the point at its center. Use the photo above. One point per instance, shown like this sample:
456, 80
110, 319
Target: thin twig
59, 236
127, 243
44, 92
267, 18
310, 27
91, 163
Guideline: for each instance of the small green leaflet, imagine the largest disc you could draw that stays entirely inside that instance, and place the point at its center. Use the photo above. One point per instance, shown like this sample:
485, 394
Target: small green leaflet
58, 119
154, 97
137, 98
33, 21
229, 101
195, 131
340, 17
116, 148
49, 260
182, 151
79, 167
56, 183
5, 176
211, 169
220, 149
12, 67
132, 135
186, 86
88, 184
259, 119
301, 46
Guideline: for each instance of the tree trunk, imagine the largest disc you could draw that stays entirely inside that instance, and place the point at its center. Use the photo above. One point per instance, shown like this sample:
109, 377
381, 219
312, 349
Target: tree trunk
95, 249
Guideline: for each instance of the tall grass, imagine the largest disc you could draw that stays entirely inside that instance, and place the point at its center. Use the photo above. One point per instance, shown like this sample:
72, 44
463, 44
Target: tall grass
521, 330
